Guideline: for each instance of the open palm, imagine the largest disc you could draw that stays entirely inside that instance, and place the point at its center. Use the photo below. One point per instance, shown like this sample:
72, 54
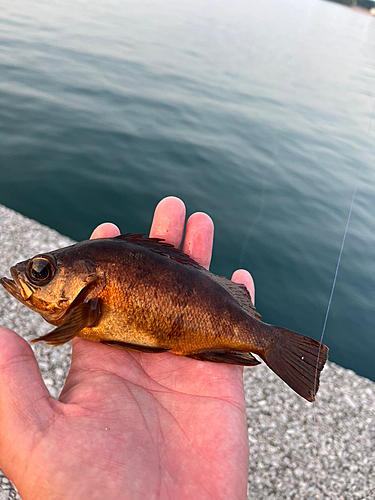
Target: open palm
127, 425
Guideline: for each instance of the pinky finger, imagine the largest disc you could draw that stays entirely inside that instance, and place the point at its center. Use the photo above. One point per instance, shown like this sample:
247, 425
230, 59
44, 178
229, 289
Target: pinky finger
244, 277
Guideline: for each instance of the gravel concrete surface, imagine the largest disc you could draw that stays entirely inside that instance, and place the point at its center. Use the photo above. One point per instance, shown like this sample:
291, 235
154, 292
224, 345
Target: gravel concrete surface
297, 450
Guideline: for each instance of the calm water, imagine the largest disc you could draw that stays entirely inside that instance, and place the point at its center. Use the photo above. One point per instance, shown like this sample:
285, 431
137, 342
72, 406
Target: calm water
257, 112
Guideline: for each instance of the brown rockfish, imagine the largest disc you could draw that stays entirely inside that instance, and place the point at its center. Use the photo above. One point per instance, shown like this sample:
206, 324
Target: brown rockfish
143, 294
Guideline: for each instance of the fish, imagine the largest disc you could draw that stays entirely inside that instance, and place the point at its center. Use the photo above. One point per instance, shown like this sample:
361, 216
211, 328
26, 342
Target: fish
143, 294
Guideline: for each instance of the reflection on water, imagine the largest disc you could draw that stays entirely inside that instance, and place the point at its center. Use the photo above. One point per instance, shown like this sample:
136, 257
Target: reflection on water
256, 113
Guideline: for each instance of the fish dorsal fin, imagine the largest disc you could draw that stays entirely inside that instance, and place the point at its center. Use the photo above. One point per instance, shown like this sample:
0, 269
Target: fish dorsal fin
159, 246
240, 293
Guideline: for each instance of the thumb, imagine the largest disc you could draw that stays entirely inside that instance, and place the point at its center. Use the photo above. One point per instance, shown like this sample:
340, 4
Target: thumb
25, 403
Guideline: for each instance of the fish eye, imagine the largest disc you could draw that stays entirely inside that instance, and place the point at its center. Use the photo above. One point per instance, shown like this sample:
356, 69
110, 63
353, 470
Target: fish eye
40, 270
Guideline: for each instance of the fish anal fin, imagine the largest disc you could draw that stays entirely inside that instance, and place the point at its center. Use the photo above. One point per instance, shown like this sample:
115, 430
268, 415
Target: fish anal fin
297, 360
226, 356
133, 347
84, 315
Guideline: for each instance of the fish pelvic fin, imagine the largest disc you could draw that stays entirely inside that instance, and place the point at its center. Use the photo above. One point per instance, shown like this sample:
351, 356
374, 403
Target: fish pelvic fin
85, 315
297, 360
133, 347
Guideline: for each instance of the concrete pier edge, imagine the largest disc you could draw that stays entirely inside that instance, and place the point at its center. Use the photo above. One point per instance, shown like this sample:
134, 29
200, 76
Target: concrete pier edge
297, 450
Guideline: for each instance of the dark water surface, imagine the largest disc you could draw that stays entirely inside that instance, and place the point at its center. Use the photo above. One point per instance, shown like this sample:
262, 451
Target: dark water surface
257, 112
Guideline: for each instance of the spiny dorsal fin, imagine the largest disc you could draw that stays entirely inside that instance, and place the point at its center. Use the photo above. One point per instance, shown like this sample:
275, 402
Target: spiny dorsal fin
159, 246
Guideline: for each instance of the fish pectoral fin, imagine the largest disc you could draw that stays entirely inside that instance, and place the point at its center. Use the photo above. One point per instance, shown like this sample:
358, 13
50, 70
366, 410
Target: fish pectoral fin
85, 315
133, 347
226, 356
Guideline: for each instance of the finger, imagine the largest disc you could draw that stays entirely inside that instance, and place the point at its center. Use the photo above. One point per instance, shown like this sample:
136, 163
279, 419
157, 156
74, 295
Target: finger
105, 230
169, 220
25, 403
199, 238
244, 277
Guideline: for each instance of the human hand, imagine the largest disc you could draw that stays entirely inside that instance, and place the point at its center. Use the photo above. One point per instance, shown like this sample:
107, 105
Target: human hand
127, 425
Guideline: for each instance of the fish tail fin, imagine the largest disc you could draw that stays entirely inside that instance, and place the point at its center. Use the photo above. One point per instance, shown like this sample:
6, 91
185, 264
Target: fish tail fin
297, 360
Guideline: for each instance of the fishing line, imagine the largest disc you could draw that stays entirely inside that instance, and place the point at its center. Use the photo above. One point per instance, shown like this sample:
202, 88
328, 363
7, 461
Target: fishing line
331, 295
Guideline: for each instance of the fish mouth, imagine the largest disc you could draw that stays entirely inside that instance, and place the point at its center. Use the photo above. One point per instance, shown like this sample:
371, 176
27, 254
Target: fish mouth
20, 290
23, 292
11, 287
